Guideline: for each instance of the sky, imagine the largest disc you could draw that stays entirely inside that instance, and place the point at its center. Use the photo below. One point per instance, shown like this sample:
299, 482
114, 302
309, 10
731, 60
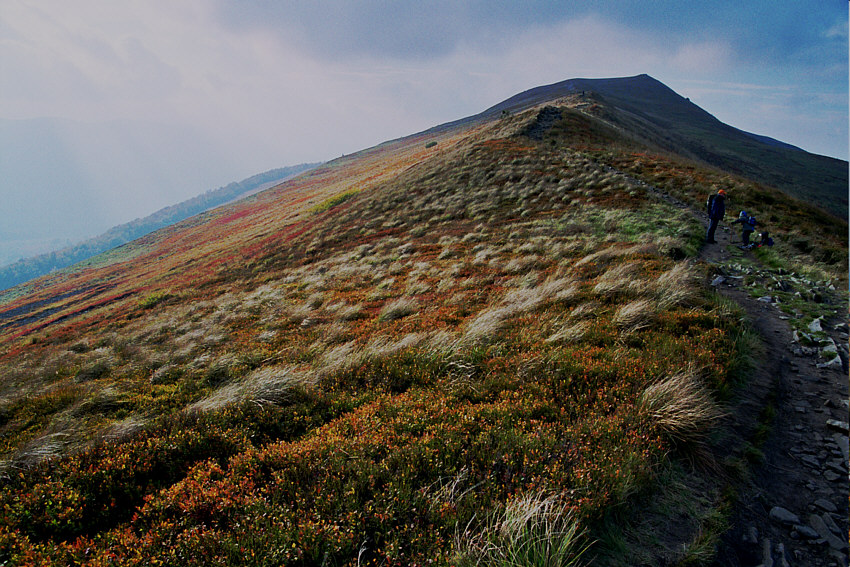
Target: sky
112, 110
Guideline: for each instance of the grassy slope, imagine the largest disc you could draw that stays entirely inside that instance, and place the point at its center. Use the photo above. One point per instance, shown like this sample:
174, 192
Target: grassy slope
366, 366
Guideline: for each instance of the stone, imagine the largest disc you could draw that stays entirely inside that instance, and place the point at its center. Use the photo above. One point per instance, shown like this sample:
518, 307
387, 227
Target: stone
830, 523
811, 461
717, 281
844, 445
829, 349
820, 527
766, 553
753, 534
815, 326
783, 516
842, 426
825, 505
834, 363
805, 532
831, 476
842, 328
766, 299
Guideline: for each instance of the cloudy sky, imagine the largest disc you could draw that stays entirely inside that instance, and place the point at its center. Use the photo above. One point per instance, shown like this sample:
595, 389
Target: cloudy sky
111, 110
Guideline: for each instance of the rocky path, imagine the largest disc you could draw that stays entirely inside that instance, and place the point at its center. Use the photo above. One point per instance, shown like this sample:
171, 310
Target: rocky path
792, 506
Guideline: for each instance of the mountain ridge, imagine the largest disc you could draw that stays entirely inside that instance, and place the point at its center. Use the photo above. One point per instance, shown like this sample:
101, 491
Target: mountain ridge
699, 135
391, 357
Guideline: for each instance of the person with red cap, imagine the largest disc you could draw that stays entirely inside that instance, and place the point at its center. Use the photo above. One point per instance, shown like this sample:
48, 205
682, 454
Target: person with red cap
716, 210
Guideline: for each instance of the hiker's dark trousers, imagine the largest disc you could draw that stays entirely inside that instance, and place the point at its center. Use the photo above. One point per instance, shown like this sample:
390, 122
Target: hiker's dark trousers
712, 226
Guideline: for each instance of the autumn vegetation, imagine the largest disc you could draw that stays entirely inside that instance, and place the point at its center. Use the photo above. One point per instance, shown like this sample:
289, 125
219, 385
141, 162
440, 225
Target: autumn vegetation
477, 352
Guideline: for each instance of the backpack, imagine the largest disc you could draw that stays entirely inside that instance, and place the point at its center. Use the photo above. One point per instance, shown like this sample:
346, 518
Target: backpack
709, 203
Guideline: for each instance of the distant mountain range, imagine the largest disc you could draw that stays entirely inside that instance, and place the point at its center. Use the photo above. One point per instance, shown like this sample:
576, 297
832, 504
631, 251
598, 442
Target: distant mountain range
30, 268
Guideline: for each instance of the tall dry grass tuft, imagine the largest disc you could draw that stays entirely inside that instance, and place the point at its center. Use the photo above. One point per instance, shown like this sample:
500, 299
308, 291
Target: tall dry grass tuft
350, 312
398, 309
534, 529
488, 323
611, 252
585, 310
267, 385
634, 316
680, 407
569, 333
677, 286
620, 280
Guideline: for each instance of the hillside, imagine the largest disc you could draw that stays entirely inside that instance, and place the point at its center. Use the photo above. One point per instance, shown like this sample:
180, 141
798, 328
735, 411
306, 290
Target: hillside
30, 268
652, 113
491, 339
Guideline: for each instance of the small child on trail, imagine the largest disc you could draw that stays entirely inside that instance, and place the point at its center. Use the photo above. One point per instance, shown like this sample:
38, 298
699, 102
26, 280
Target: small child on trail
766, 240
748, 226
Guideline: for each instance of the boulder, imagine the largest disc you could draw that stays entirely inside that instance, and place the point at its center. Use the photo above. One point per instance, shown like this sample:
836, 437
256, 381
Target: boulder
783, 516
805, 532
830, 349
825, 505
820, 527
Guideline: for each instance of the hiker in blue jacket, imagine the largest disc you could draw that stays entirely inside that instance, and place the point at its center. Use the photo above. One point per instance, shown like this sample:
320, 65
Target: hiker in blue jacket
748, 226
716, 210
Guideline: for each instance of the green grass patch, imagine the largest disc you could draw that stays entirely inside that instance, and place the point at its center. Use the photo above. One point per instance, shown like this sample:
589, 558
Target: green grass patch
331, 202
153, 299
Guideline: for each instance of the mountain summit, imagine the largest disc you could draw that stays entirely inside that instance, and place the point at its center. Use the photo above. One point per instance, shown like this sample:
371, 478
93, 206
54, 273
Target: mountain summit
653, 113
497, 340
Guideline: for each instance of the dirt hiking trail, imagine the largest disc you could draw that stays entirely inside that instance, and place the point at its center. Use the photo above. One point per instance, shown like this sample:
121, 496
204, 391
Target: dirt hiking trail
789, 419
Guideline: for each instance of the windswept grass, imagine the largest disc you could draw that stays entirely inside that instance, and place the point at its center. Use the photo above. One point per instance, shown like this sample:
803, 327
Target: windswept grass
681, 408
458, 364
634, 316
534, 529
